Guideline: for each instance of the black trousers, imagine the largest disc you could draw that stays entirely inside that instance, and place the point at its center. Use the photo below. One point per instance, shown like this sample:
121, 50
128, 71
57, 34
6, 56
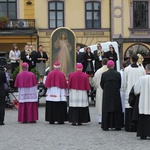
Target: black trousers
14, 66
2, 108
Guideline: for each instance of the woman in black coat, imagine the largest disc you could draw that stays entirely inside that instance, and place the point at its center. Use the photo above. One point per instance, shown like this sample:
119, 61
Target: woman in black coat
88, 59
41, 58
111, 55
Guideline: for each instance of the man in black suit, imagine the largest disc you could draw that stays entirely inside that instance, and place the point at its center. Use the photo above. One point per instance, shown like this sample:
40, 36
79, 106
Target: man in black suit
28, 56
111, 102
79, 55
2, 95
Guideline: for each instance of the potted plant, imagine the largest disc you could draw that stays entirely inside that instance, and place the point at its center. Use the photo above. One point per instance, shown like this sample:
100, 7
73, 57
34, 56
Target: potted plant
4, 21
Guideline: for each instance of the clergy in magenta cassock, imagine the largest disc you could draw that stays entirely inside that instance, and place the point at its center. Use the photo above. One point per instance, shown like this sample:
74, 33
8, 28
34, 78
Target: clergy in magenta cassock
56, 96
26, 83
78, 98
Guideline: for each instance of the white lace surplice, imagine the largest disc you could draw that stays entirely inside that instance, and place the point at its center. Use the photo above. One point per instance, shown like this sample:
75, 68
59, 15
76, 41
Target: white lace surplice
28, 94
56, 94
78, 98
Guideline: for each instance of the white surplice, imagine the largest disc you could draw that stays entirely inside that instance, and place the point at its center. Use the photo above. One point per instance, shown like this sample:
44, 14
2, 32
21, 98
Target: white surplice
131, 75
28, 94
99, 91
142, 87
122, 92
56, 94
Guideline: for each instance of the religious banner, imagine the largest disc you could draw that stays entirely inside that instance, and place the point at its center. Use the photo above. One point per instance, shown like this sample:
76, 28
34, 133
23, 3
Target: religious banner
63, 49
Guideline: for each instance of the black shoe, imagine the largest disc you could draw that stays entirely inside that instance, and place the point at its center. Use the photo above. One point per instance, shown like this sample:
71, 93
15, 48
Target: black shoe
61, 122
118, 129
2, 123
32, 122
51, 122
143, 137
73, 124
105, 129
79, 124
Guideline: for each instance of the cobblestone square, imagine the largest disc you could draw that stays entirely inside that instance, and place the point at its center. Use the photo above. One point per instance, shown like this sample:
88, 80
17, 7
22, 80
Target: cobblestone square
43, 136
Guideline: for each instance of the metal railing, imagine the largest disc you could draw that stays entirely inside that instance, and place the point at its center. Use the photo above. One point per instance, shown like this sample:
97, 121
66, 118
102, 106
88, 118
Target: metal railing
20, 24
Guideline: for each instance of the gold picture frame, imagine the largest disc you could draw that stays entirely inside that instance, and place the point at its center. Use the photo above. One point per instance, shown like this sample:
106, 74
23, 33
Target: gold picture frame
63, 49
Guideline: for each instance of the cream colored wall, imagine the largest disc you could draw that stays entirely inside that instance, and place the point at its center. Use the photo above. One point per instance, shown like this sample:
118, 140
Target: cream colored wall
21, 9
29, 10
41, 13
118, 26
74, 18
126, 18
121, 24
105, 14
117, 22
74, 14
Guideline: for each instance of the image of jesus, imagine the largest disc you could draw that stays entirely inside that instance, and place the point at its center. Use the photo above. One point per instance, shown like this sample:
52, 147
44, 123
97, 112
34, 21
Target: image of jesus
63, 55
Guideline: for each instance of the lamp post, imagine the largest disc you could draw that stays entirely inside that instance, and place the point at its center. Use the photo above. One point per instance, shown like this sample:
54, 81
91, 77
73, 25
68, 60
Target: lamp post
120, 43
28, 2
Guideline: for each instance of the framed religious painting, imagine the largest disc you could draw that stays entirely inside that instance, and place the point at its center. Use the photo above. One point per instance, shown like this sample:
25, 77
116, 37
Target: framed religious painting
63, 49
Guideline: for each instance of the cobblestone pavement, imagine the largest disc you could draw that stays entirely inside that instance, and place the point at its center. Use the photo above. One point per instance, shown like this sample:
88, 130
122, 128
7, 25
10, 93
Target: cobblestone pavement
43, 136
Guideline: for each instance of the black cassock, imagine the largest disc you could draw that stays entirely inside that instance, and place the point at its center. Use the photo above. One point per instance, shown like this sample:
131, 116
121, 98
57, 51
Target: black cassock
2, 96
112, 116
132, 114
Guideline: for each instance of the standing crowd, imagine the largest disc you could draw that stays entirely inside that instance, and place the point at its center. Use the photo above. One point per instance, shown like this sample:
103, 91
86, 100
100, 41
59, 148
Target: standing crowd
122, 98
35, 59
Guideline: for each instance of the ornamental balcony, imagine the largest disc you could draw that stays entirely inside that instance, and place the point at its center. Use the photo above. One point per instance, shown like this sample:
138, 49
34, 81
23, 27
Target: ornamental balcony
18, 26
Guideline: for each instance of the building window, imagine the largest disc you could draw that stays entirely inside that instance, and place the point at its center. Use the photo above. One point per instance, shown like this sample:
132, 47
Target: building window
93, 15
56, 14
140, 14
8, 8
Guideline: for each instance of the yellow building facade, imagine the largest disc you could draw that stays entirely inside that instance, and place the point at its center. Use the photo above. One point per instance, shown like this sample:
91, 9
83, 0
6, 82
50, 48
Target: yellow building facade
92, 21
21, 26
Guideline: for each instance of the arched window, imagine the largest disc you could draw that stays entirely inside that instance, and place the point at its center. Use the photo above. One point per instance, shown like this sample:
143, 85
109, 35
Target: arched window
138, 49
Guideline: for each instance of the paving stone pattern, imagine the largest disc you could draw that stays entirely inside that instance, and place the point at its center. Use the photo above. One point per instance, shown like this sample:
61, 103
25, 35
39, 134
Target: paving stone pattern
43, 136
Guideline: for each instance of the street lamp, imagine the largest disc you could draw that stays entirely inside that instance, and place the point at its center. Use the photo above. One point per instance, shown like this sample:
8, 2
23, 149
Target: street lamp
120, 43
28, 2
120, 40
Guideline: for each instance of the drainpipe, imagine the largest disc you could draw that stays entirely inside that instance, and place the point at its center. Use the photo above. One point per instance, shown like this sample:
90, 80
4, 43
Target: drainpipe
110, 19
37, 41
